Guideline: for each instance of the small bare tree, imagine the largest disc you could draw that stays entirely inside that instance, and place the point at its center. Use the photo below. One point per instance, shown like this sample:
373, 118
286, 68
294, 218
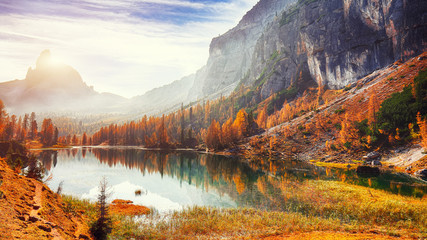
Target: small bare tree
59, 189
102, 227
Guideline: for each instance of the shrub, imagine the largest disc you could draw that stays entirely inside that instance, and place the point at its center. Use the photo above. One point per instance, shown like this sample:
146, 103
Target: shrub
339, 111
347, 145
401, 108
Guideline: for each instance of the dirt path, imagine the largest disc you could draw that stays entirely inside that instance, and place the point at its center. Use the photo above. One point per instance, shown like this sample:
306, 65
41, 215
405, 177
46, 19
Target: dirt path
35, 213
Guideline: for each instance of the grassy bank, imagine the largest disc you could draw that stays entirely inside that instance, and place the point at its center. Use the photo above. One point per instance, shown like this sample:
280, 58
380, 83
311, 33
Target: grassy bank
312, 207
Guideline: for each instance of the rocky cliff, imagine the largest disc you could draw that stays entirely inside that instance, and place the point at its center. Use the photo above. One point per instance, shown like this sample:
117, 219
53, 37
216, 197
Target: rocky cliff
230, 55
328, 42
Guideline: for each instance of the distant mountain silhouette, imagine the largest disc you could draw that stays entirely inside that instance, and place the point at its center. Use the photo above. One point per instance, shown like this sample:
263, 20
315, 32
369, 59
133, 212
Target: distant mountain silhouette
55, 87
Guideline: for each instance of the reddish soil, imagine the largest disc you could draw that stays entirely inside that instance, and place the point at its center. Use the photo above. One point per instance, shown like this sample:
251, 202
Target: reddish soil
30, 210
125, 207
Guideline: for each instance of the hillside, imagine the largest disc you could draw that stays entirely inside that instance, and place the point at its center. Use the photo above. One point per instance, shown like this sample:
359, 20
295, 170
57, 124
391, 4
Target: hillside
30, 210
311, 133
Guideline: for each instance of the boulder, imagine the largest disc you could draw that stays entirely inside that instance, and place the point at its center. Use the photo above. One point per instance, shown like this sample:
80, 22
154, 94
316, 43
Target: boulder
422, 173
367, 171
372, 156
376, 163
45, 228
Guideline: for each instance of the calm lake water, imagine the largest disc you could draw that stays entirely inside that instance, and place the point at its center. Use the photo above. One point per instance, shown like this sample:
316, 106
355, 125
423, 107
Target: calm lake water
173, 180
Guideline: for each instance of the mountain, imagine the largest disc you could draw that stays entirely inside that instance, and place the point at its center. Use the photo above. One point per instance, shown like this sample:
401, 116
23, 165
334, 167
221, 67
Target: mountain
161, 99
277, 46
55, 87
328, 42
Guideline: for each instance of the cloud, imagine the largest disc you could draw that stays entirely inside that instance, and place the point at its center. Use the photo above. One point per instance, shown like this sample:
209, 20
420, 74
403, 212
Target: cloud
125, 47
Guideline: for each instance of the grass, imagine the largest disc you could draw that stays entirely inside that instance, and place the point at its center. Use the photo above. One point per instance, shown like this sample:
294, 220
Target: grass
310, 206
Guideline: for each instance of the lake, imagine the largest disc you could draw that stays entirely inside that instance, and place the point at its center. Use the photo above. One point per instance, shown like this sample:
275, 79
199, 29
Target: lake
176, 179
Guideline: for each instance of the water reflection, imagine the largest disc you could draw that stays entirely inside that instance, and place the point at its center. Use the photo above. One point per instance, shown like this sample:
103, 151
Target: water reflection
189, 178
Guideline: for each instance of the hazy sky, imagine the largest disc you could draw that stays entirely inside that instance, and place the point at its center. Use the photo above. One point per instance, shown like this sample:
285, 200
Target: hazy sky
125, 47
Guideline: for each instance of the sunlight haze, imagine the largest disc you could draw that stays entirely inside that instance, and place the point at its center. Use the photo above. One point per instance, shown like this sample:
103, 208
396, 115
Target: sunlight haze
122, 47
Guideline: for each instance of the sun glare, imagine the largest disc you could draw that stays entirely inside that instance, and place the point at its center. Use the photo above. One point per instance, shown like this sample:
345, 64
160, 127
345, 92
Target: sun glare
55, 61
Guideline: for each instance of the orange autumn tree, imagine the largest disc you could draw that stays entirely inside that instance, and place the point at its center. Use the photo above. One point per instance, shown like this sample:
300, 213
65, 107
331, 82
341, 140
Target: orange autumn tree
422, 123
262, 117
84, 139
241, 124
47, 132
2, 117
163, 135
348, 132
227, 133
213, 137
373, 108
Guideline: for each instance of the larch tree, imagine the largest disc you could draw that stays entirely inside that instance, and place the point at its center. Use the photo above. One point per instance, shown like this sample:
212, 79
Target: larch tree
163, 135
213, 138
84, 139
33, 126
422, 124
182, 137
241, 123
373, 108
262, 118
47, 132
74, 140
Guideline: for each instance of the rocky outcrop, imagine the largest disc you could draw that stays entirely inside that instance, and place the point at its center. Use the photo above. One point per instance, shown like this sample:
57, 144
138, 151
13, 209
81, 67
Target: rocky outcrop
328, 42
230, 55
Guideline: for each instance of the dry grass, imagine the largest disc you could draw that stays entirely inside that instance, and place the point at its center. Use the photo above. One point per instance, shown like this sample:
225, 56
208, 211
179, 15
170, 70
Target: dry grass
315, 210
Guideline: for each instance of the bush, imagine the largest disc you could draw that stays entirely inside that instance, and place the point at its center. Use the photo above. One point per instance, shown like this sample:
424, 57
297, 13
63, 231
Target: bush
347, 145
401, 108
339, 111
35, 169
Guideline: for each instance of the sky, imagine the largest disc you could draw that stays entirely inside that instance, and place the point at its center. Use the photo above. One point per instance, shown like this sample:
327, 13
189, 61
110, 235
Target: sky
126, 47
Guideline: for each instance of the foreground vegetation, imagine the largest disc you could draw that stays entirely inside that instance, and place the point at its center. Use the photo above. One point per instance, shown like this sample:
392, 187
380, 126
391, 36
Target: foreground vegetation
313, 206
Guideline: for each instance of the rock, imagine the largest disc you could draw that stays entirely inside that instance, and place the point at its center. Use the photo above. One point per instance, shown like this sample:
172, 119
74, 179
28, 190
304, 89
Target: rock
376, 163
33, 219
422, 173
82, 236
45, 228
367, 171
371, 156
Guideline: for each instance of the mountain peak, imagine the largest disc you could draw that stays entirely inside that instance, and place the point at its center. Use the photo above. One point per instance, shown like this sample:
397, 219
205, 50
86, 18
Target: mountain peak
44, 59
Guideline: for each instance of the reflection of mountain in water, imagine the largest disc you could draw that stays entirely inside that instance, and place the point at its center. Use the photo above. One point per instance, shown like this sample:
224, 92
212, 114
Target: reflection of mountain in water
266, 187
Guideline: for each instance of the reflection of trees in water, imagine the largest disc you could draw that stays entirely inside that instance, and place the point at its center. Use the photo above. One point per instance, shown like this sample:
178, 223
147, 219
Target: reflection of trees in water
47, 158
267, 185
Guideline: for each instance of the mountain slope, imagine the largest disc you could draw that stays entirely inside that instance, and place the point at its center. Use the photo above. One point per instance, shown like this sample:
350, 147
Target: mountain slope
159, 99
